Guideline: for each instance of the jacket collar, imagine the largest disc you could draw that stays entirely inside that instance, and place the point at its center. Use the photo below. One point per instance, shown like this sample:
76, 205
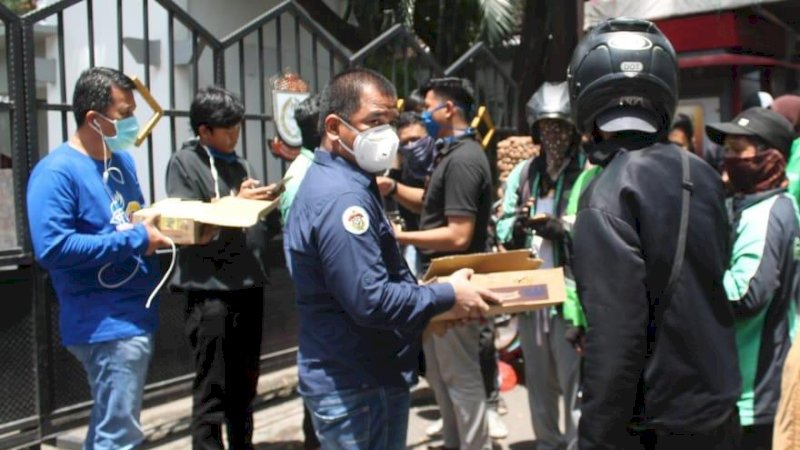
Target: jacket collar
327, 158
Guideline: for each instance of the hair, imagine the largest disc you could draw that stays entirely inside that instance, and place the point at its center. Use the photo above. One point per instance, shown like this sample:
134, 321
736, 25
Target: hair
215, 107
414, 102
307, 116
93, 91
342, 96
408, 118
454, 89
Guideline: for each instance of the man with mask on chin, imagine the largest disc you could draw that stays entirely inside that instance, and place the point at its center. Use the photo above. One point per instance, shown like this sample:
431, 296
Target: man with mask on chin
456, 205
763, 279
361, 311
535, 201
80, 199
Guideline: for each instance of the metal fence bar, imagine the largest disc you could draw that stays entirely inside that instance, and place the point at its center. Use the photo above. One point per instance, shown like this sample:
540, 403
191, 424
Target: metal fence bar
171, 50
243, 96
120, 55
262, 101
62, 73
90, 29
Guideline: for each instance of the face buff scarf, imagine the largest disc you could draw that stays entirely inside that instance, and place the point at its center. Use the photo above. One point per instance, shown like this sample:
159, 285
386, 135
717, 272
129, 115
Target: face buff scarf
765, 171
555, 137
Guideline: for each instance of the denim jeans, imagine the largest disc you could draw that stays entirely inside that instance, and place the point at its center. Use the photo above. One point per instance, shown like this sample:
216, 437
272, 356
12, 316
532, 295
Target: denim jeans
361, 419
116, 371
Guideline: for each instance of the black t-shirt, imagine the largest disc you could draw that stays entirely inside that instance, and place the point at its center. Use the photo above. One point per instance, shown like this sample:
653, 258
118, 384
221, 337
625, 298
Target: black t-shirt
235, 259
460, 185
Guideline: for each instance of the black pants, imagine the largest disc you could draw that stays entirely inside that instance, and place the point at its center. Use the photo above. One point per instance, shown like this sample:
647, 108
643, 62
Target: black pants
487, 357
726, 436
224, 331
757, 437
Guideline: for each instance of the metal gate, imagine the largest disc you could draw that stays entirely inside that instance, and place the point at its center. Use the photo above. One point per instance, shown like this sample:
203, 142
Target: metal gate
42, 388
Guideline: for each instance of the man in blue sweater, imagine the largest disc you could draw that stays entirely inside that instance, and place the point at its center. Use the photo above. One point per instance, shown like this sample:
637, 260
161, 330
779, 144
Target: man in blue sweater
80, 199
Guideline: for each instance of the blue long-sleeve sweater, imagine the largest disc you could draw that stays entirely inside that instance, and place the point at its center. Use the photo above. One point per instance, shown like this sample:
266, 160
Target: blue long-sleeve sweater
82, 235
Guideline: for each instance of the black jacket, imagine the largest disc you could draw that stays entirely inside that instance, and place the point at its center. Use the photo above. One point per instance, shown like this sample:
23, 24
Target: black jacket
235, 259
664, 364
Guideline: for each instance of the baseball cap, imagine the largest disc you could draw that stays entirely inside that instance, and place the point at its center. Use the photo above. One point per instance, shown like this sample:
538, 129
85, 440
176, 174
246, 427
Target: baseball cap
768, 125
627, 119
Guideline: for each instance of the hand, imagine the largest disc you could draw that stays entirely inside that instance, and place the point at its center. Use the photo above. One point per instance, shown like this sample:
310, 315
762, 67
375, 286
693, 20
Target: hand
471, 301
250, 190
577, 337
385, 185
548, 227
155, 239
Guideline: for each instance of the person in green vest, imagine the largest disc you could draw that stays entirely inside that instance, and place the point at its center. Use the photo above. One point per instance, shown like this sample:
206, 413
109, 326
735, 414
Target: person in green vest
534, 204
306, 114
763, 278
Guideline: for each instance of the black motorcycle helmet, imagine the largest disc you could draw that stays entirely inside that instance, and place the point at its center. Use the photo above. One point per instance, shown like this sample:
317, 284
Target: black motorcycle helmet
550, 101
624, 77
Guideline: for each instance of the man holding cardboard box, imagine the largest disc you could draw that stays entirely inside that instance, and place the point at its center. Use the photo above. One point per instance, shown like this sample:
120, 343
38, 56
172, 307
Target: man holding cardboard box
651, 249
224, 278
361, 311
455, 215
80, 200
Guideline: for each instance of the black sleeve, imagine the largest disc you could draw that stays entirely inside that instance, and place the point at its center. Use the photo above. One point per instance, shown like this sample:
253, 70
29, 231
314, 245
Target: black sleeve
614, 297
463, 187
179, 184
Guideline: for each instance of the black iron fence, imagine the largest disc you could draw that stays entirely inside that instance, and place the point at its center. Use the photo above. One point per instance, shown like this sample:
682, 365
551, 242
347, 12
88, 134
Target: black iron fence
42, 388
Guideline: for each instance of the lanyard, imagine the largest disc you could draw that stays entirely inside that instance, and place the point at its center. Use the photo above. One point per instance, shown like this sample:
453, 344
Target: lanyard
215, 174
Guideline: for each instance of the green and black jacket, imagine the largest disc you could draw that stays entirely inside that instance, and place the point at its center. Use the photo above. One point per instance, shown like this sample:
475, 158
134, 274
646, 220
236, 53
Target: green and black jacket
763, 284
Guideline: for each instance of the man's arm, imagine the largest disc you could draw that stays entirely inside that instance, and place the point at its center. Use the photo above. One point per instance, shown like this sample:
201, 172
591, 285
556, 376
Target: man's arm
354, 271
455, 237
52, 206
409, 197
614, 297
505, 226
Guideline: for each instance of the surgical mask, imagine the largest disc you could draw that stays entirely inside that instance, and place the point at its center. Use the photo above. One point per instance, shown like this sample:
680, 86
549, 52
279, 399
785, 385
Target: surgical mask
375, 149
431, 126
126, 131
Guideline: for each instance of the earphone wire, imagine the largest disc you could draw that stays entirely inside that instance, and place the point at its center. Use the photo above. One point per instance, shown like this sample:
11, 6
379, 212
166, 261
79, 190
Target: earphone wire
166, 275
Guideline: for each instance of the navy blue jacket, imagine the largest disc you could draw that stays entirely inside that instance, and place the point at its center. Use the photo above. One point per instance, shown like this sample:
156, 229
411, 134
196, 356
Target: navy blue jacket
361, 311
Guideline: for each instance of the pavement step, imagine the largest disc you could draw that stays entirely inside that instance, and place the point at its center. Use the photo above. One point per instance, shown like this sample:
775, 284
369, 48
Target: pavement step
168, 422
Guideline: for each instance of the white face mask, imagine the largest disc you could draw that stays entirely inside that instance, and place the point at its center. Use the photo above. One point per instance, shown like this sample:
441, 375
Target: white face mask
375, 149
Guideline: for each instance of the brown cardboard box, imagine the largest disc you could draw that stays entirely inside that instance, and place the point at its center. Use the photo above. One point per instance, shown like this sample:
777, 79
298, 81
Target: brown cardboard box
513, 276
182, 220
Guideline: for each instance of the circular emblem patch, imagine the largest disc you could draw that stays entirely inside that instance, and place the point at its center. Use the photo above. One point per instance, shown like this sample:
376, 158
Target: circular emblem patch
355, 220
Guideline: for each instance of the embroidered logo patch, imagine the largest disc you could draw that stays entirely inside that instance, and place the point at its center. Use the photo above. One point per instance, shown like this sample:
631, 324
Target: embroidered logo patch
355, 220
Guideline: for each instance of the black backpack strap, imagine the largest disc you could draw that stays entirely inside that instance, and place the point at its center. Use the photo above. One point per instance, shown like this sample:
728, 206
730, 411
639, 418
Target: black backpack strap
680, 251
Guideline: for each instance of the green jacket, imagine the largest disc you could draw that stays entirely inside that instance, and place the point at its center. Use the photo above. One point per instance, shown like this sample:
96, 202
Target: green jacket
573, 311
297, 170
793, 170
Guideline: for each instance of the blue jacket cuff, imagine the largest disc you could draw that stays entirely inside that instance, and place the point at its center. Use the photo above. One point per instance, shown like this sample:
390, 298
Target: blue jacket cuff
444, 297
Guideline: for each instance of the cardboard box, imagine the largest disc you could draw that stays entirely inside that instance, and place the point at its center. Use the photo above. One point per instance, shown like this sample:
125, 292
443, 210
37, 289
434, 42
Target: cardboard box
513, 276
182, 220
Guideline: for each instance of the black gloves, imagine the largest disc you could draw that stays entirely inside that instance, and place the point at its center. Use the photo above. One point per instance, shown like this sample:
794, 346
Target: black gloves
548, 227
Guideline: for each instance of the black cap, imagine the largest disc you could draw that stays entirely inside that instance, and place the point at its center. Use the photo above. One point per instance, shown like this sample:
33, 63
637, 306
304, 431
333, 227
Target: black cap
768, 125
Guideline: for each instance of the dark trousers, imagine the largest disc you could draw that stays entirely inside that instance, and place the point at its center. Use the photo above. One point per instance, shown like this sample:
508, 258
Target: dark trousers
725, 436
224, 331
487, 355
757, 437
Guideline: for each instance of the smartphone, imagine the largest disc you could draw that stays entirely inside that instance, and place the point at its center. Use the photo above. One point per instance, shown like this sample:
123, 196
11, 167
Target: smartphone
279, 185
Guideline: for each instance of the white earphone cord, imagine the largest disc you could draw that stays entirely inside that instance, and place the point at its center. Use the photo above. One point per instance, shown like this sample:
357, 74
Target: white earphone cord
166, 275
